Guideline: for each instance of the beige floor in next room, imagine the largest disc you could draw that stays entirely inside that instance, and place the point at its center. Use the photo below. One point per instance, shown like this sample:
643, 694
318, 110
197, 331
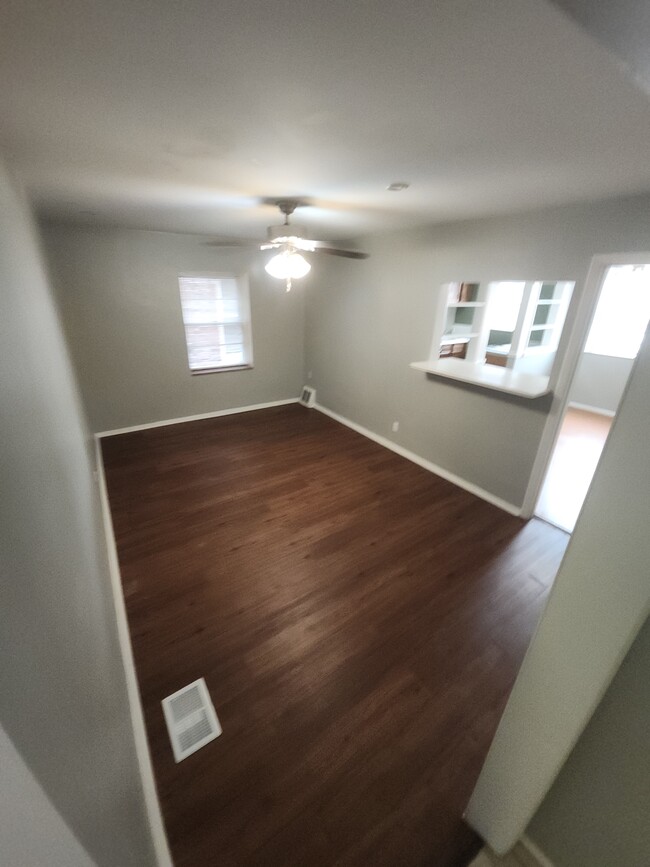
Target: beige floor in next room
577, 452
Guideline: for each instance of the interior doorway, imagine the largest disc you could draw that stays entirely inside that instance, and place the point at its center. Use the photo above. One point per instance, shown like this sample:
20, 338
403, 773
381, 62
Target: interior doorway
618, 326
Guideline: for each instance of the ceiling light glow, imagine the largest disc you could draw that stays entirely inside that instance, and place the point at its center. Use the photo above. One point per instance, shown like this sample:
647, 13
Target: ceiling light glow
287, 265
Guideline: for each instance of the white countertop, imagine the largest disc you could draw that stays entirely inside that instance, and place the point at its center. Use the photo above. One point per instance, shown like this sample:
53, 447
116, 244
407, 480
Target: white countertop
486, 376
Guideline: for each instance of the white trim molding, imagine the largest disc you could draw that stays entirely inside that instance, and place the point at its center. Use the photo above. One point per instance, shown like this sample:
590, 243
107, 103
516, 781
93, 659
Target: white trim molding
470, 487
232, 411
523, 854
537, 858
154, 814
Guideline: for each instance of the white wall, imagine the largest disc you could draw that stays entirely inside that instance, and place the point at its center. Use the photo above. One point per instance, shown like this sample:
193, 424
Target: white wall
596, 813
63, 699
598, 603
600, 381
118, 293
367, 320
32, 833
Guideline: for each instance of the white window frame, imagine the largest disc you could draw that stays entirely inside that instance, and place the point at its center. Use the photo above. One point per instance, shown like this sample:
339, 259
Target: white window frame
602, 338
243, 297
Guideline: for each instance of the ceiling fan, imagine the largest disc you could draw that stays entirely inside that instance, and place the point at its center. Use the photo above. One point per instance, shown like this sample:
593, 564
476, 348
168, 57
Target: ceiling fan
290, 242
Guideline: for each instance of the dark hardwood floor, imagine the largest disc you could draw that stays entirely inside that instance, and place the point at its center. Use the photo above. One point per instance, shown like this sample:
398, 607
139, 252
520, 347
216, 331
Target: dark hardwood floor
358, 620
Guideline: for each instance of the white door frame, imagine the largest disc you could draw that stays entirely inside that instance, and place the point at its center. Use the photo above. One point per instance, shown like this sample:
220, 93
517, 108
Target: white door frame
562, 378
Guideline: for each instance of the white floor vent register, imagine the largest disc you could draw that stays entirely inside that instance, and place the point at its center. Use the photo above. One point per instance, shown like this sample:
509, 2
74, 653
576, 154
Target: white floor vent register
191, 719
308, 396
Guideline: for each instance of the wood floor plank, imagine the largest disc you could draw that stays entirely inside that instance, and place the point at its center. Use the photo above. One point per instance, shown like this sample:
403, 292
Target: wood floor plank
359, 622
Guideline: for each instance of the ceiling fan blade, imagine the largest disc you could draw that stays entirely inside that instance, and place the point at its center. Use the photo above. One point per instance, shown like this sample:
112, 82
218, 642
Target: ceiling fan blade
232, 242
339, 251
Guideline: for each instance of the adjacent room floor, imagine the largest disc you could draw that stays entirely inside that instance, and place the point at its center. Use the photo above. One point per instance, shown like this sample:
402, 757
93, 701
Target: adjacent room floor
358, 620
575, 458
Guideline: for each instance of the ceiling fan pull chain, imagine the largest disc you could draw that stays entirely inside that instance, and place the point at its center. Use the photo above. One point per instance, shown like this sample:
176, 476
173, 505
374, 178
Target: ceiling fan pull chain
288, 284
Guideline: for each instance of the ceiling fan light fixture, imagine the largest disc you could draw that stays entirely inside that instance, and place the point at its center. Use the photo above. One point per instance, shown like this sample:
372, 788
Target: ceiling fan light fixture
287, 265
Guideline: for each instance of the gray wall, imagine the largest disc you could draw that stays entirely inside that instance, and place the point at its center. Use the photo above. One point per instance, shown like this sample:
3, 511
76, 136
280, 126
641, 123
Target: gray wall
600, 381
622, 27
32, 833
596, 608
596, 813
118, 293
63, 699
367, 320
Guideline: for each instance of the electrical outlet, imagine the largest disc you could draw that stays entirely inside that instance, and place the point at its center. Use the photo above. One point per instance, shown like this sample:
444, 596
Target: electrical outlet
395, 426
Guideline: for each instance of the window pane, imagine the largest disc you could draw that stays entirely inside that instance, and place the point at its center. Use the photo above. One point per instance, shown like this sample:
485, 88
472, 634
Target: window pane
213, 313
214, 345
503, 308
622, 312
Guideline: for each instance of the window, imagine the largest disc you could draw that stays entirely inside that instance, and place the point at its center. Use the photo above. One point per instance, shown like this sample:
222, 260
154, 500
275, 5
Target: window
216, 315
505, 301
622, 312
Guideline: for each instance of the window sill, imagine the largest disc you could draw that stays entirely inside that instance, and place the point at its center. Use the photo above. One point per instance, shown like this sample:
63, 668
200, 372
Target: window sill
487, 376
221, 369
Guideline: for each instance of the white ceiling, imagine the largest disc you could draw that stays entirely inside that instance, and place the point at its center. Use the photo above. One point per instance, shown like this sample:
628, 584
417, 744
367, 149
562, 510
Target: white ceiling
179, 115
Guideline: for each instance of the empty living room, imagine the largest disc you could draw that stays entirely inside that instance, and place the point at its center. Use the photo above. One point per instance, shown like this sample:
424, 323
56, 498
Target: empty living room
294, 300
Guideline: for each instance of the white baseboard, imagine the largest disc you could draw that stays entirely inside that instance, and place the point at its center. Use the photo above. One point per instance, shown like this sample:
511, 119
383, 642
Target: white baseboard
219, 412
154, 814
610, 413
523, 854
539, 858
422, 462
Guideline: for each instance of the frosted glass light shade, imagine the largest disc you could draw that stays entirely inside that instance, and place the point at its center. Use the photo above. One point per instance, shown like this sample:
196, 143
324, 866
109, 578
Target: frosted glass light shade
287, 266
